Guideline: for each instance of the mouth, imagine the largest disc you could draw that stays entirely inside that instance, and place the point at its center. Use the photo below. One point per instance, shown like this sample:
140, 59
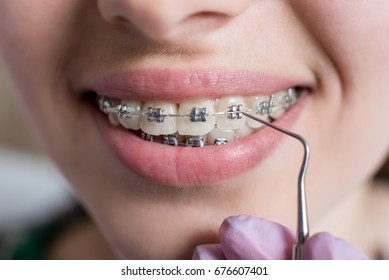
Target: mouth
173, 139
197, 123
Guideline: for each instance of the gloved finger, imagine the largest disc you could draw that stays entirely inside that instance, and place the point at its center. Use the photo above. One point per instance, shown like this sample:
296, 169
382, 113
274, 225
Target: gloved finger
251, 238
208, 252
324, 246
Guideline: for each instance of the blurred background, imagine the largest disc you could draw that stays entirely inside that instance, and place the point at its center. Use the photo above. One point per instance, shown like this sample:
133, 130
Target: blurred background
32, 190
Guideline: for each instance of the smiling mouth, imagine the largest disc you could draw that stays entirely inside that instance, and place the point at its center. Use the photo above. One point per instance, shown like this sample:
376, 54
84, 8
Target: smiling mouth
197, 123
186, 128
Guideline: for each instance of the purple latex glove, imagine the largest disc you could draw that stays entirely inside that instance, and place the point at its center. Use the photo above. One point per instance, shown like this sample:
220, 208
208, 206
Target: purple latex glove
251, 238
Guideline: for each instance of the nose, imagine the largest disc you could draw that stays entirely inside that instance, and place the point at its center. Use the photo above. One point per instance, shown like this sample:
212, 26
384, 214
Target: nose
171, 20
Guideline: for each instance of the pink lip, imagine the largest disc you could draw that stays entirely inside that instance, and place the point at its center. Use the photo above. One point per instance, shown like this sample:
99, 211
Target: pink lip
175, 85
180, 166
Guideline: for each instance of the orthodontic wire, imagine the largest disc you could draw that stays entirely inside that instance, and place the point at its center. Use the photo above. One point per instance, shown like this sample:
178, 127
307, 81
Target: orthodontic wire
155, 114
122, 110
302, 215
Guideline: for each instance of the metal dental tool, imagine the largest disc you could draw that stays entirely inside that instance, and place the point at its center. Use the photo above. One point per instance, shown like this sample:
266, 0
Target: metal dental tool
302, 216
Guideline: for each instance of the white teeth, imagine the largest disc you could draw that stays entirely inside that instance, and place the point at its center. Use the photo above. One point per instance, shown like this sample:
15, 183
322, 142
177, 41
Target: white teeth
217, 133
166, 126
131, 122
196, 123
224, 121
278, 110
187, 127
244, 131
252, 103
113, 119
255, 124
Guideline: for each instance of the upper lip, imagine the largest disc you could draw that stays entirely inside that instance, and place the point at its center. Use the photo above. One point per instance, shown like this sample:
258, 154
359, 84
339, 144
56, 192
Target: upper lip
181, 85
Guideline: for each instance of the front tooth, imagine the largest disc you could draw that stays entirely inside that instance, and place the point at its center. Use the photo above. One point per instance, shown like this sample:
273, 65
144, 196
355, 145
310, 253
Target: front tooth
131, 121
167, 126
216, 133
224, 122
279, 105
252, 104
187, 127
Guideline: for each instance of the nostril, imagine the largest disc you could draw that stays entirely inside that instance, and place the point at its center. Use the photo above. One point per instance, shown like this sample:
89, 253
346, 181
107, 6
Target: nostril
209, 15
120, 20
171, 21
200, 23
206, 17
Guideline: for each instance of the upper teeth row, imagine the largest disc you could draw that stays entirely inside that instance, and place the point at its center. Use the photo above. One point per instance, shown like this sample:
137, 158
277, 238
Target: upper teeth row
200, 114
208, 119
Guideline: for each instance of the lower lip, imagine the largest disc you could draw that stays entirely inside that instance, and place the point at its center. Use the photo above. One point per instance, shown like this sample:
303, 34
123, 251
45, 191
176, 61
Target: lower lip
192, 167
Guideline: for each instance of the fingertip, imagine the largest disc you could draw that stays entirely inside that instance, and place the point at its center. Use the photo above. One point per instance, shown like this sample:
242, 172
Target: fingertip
247, 237
208, 252
325, 246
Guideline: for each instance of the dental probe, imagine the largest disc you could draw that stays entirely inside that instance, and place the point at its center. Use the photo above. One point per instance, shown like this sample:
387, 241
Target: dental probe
302, 216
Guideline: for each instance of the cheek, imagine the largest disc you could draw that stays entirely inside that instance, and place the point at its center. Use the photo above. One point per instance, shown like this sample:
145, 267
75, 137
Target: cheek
354, 34
35, 38
354, 38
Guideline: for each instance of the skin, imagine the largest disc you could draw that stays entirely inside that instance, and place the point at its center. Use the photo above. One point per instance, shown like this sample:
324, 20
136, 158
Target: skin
51, 46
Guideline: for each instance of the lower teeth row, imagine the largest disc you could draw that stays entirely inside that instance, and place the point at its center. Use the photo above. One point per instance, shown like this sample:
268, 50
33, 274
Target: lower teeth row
191, 141
117, 111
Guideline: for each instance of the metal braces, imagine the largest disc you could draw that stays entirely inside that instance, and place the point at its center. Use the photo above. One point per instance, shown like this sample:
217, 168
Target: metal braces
198, 114
220, 141
105, 105
155, 115
147, 136
233, 112
195, 141
265, 107
171, 140
290, 98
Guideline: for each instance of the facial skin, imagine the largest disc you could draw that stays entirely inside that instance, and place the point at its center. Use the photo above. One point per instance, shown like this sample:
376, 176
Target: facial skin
53, 47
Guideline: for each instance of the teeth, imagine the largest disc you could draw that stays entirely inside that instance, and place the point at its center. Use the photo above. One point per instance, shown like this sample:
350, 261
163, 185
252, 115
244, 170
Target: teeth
216, 133
104, 104
228, 121
187, 127
254, 124
152, 120
252, 103
278, 100
196, 123
244, 131
131, 121
113, 119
